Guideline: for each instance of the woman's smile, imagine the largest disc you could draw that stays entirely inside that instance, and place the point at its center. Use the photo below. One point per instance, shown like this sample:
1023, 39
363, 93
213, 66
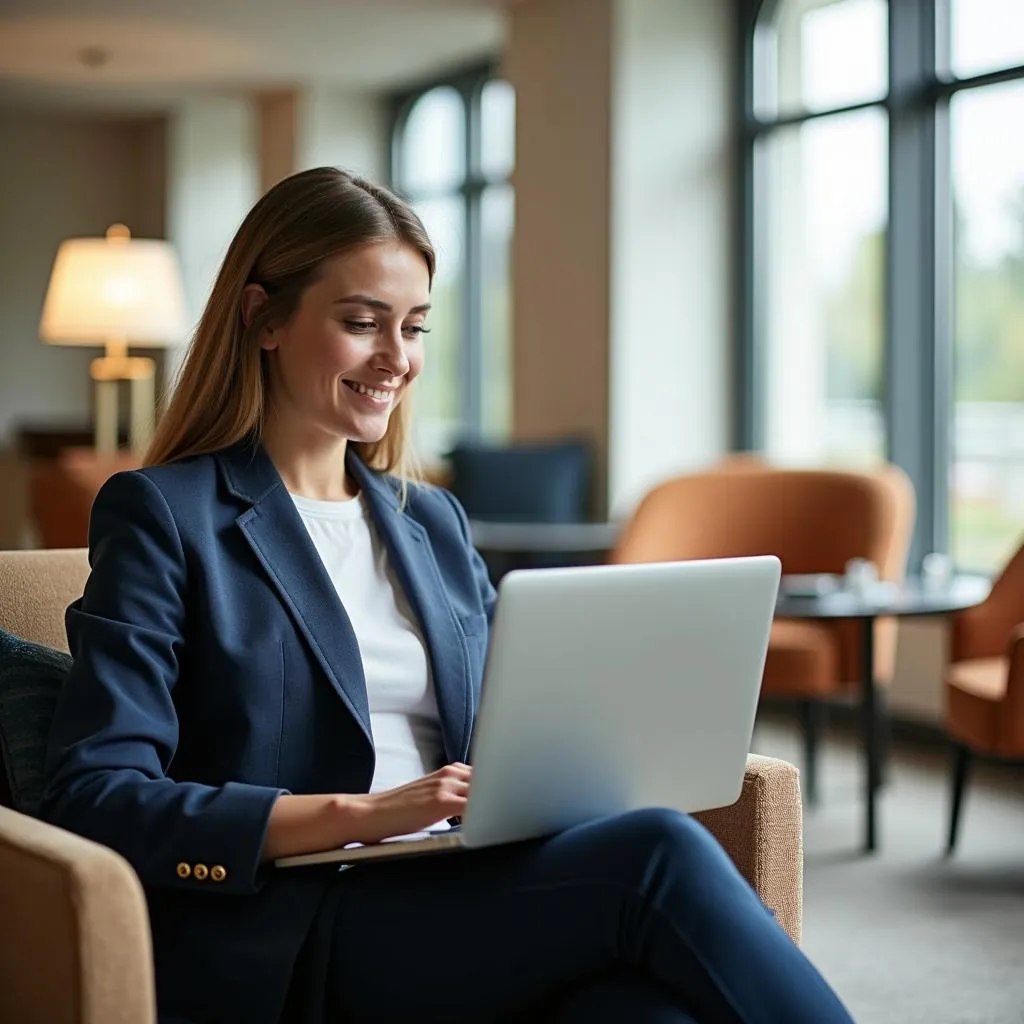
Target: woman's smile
374, 397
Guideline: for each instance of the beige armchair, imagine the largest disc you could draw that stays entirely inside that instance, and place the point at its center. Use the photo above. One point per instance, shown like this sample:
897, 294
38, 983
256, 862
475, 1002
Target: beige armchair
75, 945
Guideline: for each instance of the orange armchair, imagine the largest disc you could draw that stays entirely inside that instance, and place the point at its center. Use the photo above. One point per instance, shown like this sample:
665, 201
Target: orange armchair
815, 521
985, 681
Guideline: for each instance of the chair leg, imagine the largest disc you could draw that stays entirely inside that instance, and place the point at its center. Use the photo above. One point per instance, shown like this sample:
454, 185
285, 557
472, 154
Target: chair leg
961, 764
883, 733
812, 714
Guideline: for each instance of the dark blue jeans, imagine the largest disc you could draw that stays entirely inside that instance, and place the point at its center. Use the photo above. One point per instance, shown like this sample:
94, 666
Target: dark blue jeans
638, 918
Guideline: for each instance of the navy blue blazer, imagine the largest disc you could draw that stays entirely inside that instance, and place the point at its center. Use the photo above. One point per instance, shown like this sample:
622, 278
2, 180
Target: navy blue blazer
214, 669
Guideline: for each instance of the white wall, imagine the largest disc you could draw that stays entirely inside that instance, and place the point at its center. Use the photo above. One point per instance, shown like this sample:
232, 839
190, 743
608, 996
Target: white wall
341, 128
61, 177
213, 179
922, 653
558, 58
621, 253
223, 152
670, 247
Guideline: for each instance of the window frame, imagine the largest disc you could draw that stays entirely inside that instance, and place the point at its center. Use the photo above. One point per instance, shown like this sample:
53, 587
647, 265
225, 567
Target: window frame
918, 400
469, 82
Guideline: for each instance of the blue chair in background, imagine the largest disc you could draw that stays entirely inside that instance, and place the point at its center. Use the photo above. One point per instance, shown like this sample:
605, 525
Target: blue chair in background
523, 483
543, 482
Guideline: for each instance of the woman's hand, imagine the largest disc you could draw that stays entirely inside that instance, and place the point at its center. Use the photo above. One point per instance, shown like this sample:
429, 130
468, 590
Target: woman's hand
309, 823
413, 807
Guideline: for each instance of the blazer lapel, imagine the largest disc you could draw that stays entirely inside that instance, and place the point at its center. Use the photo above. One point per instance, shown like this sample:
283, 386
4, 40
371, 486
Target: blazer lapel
280, 541
413, 560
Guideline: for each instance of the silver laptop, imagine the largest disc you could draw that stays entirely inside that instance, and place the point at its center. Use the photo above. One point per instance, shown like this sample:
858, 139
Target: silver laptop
608, 688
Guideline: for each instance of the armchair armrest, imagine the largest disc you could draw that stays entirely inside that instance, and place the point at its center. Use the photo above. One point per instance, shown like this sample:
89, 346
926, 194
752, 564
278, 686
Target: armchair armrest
763, 834
981, 631
76, 945
1011, 724
1016, 653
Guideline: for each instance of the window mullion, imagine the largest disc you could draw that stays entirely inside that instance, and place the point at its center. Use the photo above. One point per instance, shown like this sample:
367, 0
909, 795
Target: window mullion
942, 300
916, 392
756, 126
748, 376
471, 363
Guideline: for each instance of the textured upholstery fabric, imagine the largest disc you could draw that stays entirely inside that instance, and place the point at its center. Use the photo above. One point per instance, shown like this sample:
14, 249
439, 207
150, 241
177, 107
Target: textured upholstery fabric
31, 676
35, 589
815, 521
763, 833
76, 946
522, 483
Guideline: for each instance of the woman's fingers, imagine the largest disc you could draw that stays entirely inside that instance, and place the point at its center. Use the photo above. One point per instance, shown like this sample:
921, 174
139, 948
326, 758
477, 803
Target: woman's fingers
418, 804
458, 791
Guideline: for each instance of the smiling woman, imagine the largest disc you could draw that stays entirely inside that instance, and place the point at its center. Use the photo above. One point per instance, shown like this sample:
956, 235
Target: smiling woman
338, 368
303, 301
280, 651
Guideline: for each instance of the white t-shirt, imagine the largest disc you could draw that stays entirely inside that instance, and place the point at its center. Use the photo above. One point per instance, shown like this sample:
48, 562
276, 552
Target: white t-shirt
399, 682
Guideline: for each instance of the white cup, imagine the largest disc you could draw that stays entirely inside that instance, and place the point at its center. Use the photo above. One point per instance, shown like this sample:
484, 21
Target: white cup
861, 576
936, 570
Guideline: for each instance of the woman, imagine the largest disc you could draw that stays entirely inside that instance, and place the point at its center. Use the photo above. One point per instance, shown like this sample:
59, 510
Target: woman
279, 651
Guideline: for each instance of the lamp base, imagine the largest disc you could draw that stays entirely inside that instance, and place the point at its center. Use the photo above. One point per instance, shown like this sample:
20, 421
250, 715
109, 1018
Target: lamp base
107, 372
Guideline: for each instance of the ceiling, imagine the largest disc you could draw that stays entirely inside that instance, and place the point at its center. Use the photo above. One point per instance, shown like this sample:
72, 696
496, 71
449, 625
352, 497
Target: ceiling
145, 55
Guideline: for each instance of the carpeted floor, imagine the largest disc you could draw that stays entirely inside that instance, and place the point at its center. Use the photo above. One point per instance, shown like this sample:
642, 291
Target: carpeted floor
906, 936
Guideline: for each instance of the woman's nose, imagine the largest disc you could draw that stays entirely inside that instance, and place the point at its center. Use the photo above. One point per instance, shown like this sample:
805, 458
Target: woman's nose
392, 357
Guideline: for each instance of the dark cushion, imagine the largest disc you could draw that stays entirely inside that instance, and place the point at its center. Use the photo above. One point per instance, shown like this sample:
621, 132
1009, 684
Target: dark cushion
31, 676
542, 483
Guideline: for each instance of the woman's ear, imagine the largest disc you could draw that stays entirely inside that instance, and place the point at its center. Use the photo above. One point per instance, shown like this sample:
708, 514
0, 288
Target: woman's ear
254, 297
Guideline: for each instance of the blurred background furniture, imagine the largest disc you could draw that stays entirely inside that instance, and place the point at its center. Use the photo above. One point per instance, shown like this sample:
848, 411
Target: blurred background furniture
74, 914
528, 483
864, 606
46, 440
62, 490
815, 521
542, 482
117, 291
985, 682
522, 544
15, 527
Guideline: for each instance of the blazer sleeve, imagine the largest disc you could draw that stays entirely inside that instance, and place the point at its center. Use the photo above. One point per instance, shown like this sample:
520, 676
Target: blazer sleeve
115, 729
488, 596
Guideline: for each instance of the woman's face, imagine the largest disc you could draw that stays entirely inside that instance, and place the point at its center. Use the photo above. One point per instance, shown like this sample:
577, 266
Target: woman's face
342, 363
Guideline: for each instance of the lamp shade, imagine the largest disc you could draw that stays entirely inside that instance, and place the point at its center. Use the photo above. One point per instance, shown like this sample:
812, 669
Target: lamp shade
115, 287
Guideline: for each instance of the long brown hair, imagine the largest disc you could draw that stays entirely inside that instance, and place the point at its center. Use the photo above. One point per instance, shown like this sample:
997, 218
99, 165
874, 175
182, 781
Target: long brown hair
302, 221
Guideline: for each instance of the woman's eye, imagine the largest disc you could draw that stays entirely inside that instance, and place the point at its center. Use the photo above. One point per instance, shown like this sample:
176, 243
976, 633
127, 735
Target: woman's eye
360, 326
415, 330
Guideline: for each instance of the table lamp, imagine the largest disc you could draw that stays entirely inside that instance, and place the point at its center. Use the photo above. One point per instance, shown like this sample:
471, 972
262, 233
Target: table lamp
117, 291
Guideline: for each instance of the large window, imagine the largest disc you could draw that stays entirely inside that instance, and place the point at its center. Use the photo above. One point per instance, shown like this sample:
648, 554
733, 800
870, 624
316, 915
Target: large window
821, 183
452, 154
987, 479
882, 300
